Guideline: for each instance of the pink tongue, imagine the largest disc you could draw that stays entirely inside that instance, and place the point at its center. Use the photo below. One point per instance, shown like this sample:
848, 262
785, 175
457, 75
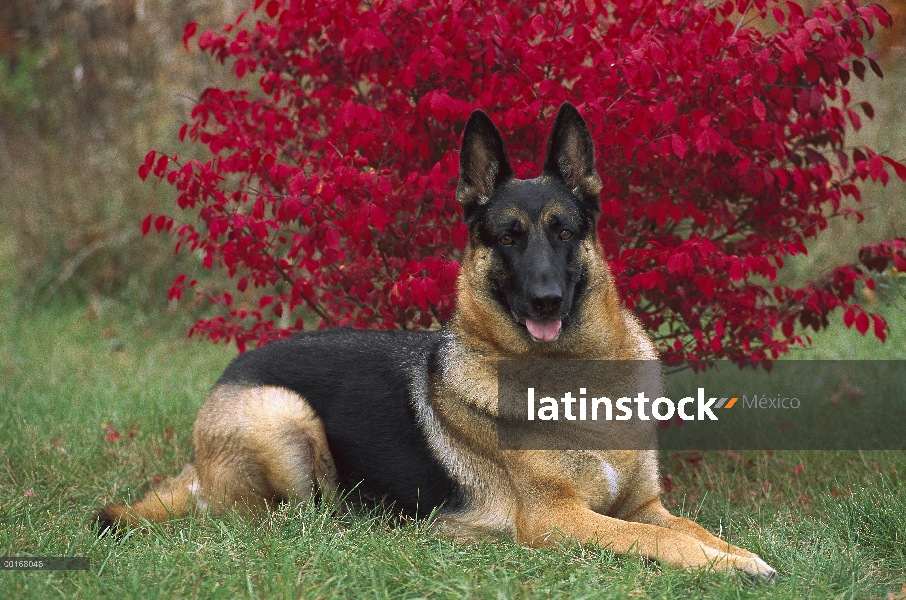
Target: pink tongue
546, 330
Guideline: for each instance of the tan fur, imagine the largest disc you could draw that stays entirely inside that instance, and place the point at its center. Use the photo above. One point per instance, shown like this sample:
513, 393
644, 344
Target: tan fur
253, 447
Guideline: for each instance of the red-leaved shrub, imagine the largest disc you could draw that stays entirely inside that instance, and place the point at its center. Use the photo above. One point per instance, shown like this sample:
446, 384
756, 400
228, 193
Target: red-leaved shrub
722, 150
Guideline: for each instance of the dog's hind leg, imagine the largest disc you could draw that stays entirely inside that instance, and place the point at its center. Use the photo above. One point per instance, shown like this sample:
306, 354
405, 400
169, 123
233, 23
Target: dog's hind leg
170, 499
258, 445
254, 447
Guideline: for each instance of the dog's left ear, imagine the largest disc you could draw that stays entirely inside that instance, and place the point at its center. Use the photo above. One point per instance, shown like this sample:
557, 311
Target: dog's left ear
571, 154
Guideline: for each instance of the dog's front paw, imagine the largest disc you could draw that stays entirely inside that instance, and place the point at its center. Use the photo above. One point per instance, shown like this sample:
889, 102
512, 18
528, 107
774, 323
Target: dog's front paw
757, 569
766, 572
752, 566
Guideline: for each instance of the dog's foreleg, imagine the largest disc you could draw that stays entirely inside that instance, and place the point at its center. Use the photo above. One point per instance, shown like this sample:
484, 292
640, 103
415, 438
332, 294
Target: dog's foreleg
547, 523
654, 513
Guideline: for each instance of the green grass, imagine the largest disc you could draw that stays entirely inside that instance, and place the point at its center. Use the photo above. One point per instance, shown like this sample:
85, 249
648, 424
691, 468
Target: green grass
833, 529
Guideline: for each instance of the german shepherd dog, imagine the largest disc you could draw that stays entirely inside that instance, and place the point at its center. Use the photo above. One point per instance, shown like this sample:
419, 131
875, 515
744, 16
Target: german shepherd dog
410, 418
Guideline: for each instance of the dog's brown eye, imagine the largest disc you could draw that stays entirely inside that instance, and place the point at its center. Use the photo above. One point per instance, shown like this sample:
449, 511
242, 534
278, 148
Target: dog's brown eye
566, 234
506, 240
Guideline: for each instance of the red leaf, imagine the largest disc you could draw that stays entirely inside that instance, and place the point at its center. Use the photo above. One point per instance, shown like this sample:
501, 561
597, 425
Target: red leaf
377, 217
874, 67
881, 15
146, 166
146, 225
296, 184
707, 140
432, 291
161, 166
876, 167
112, 435
205, 40
706, 285
898, 167
862, 323
788, 329
849, 317
778, 15
678, 262
758, 108
188, 32
679, 145
812, 70
880, 327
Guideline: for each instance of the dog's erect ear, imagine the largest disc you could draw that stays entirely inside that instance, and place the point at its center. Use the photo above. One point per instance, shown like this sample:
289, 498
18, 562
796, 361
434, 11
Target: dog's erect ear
571, 154
483, 163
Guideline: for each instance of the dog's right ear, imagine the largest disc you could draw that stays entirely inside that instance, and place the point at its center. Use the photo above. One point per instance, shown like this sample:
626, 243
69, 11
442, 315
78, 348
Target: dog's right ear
483, 163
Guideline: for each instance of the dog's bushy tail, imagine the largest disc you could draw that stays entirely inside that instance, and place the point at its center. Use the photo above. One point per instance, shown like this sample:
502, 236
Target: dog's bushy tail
170, 499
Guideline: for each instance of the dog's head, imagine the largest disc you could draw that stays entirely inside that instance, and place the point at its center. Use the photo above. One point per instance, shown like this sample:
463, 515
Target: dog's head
529, 239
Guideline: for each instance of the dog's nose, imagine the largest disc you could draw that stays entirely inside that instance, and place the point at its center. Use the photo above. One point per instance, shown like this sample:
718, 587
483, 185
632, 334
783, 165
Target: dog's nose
548, 300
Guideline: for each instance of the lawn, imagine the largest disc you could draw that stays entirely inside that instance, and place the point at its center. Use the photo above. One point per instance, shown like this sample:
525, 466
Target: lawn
96, 403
